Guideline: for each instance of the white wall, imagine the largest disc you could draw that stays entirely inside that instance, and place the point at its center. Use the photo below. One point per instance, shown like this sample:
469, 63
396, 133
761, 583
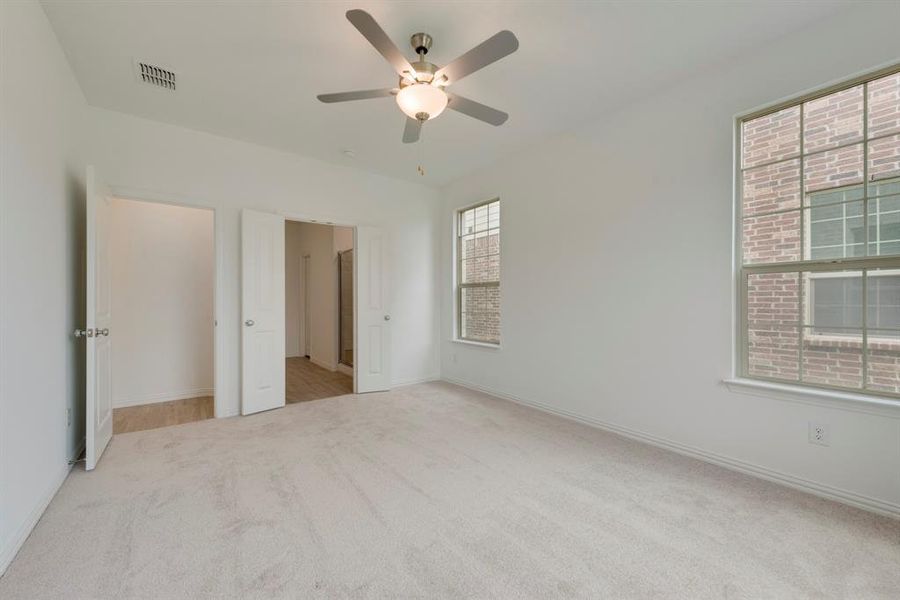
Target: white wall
320, 243
41, 295
162, 267
146, 159
617, 273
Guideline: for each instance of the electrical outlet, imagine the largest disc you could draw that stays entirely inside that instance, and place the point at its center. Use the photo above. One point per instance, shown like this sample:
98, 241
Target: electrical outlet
68, 417
453, 357
818, 434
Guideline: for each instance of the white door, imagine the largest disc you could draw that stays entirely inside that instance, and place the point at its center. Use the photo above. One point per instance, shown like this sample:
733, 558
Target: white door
97, 331
373, 320
262, 311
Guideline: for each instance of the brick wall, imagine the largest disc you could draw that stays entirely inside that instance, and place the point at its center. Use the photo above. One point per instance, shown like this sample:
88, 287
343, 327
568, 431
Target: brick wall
781, 342
480, 306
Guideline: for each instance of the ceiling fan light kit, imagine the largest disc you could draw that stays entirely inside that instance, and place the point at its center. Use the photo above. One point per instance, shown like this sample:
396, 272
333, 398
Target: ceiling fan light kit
422, 101
421, 94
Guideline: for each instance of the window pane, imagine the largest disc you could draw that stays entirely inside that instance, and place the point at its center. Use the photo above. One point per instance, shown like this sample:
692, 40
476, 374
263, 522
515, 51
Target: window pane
885, 187
467, 222
884, 226
773, 299
835, 231
832, 301
883, 299
481, 218
494, 215
883, 357
833, 359
884, 164
480, 313
771, 238
833, 120
833, 168
771, 137
773, 352
843, 194
884, 105
480, 270
479, 244
771, 187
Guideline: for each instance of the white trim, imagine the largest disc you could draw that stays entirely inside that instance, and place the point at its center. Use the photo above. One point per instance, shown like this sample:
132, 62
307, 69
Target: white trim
824, 491
474, 343
162, 397
345, 369
8, 554
406, 382
323, 364
874, 405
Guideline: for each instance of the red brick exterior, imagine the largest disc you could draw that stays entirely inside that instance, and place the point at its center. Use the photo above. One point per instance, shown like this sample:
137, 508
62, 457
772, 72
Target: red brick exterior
480, 306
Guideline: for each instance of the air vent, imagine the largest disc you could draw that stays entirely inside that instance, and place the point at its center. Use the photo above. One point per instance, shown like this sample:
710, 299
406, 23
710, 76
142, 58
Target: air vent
154, 75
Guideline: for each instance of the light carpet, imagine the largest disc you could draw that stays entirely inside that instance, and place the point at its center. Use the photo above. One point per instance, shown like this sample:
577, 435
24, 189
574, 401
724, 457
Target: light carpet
435, 491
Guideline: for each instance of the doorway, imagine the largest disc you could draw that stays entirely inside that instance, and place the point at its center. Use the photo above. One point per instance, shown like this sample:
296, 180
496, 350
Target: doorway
161, 261
318, 358
265, 311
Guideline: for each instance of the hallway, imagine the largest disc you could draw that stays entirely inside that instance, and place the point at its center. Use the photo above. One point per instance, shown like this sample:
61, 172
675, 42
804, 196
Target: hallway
306, 381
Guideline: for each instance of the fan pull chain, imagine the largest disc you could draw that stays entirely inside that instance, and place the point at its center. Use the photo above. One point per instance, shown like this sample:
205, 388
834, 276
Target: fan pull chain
420, 168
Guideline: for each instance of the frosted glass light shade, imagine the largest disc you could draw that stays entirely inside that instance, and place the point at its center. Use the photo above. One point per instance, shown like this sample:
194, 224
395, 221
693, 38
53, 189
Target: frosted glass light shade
422, 98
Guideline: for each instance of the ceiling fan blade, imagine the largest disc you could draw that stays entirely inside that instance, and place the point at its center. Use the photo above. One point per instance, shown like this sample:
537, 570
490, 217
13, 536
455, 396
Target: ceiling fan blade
373, 32
491, 50
357, 95
412, 130
477, 110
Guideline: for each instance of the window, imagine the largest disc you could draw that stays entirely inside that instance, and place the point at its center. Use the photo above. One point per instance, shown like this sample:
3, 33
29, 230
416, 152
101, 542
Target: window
478, 273
819, 207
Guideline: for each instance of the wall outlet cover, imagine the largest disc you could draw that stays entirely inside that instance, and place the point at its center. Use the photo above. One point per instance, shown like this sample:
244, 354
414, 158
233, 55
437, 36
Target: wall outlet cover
818, 434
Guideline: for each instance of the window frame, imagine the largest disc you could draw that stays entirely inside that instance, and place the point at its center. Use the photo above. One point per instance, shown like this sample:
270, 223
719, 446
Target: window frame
864, 264
458, 286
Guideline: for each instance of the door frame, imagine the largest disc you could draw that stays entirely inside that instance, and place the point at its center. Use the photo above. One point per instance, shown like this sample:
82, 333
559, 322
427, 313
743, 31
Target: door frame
306, 218
219, 385
304, 286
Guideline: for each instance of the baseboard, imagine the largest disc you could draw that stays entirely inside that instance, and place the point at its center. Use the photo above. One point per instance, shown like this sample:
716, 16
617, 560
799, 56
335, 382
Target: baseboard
345, 369
8, 553
163, 397
323, 364
875, 505
406, 382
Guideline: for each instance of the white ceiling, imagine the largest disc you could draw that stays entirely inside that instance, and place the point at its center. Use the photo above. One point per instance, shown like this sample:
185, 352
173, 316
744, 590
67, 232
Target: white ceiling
251, 70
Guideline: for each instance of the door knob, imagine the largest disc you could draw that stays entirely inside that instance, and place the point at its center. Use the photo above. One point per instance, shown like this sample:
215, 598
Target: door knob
84, 333
249, 322
387, 317
103, 332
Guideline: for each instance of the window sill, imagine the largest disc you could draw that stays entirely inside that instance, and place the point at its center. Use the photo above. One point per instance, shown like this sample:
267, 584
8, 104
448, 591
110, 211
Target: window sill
819, 397
476, 344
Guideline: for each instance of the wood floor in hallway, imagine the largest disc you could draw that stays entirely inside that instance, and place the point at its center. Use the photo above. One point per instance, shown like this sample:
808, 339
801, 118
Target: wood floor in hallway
307, 381
162, 414
304, 381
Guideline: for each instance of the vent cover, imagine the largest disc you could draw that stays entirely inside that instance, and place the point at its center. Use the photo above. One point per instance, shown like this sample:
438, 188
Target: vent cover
155, 76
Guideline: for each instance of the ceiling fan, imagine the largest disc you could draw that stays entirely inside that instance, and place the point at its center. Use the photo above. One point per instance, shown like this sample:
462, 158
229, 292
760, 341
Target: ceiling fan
421, 93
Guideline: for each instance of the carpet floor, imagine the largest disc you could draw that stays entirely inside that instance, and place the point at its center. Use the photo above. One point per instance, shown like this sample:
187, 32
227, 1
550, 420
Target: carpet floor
435, 491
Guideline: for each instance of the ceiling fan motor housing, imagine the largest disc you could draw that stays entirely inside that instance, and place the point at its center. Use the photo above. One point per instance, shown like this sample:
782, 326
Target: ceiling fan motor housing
424, 73
421, 43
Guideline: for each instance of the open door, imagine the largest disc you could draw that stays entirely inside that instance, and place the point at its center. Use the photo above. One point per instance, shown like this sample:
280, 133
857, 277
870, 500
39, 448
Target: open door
98, 431
373, 321
262, 311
